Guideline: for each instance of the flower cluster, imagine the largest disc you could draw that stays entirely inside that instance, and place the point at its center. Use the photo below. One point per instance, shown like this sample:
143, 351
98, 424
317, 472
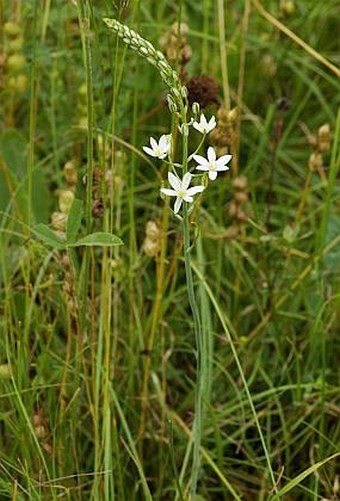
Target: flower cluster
178, 93
180, 187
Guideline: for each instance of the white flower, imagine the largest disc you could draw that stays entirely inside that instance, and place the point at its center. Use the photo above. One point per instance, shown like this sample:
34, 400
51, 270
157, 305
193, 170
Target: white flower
161, 149
181, 189
203, 126
212, 164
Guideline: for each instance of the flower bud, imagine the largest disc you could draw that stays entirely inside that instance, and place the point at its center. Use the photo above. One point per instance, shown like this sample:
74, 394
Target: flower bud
184, 130
171, 104
195, 109
184, 92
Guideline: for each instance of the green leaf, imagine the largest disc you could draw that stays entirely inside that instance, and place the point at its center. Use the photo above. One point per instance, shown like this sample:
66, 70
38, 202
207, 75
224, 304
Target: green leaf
74, 220
46, 235
299, 478
101, 239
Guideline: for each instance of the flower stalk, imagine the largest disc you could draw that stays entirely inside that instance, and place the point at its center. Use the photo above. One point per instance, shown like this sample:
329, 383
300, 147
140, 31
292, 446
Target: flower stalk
197, 427
184, 193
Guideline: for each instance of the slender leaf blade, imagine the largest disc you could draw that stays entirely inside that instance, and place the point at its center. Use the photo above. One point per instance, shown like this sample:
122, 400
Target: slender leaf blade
74, 220
299, 478
100, 239
46, 235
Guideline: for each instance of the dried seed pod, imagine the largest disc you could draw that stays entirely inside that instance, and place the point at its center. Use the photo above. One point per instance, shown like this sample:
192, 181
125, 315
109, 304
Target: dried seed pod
70, 173
203, 90
240, 183
175, 45
152, 241
58, 221
98, 208
315, 161
241, 197
66, 198
324, 138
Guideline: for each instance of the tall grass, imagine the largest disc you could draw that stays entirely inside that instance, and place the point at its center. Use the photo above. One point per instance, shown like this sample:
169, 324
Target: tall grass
97, 352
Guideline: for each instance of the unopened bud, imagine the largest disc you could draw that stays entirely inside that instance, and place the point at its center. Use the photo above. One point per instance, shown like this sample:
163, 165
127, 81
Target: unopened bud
184, 92
171, 104
195, 109
315, 161
184, 130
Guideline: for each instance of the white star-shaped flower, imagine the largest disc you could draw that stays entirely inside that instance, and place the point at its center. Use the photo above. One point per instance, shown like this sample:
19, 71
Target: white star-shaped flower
212, 164
161, 149
181, 189
203, 126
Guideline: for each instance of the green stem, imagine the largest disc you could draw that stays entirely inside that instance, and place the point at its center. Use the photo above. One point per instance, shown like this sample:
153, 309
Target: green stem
197, 428
84, 22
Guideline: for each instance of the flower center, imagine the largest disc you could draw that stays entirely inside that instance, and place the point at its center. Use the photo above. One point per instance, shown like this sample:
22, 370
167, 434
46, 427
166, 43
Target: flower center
181, 193
212, 165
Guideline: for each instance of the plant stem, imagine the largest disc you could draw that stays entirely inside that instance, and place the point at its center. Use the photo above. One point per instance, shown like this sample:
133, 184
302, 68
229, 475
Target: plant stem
197, 428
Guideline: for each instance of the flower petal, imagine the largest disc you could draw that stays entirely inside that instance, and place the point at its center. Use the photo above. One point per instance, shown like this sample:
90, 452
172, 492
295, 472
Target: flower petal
212, 123
211, 154
186, 180
153, 143
221, 167
224, 159
149, 151
194, 190
198, 127
202, 167
212, 175
164, 142
200, 160
187, 198
178, 204
162, 155
170, 193
174, 181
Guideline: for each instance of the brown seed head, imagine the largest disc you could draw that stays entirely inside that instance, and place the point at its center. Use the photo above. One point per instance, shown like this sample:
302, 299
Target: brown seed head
203, 90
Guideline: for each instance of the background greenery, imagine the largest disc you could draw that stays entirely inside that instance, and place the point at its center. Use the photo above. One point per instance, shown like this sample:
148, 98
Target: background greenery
97, 368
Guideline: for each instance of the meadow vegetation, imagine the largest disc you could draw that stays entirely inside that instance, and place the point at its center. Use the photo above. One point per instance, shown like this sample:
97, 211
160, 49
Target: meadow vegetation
98, 357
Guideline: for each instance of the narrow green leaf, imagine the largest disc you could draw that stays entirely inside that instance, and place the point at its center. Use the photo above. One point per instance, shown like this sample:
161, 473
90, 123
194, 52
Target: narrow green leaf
299, 478
101, 239
46, 235
74, 220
